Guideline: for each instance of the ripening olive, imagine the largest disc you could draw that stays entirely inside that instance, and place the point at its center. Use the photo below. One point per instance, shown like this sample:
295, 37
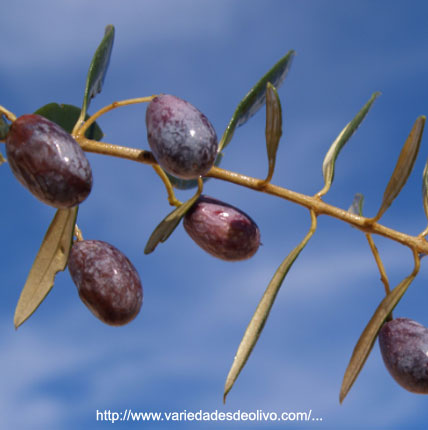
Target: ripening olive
182, 139
222, 230
107, 281
48, 161
404, 347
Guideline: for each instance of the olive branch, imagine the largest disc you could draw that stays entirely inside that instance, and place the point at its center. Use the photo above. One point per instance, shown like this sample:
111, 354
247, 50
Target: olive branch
53, 254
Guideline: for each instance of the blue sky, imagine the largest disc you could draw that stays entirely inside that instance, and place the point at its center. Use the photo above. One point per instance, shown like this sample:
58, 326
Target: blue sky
63, 364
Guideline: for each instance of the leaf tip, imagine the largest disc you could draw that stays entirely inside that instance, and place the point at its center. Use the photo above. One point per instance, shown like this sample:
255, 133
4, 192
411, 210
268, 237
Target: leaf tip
343, 392
17, 321
291, 53
150, 245
227, 388
109, 28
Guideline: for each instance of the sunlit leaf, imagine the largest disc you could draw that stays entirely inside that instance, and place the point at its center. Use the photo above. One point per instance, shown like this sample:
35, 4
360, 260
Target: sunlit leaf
256, 97
4, 128
331, 156
368, 337
404, 166
66, 116
51, 258
98, 68
261, 314
168, 225
187, 184
273, 130
356, 207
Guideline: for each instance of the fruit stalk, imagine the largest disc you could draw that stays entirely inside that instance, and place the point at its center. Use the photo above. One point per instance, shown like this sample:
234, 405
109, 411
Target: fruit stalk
79, 131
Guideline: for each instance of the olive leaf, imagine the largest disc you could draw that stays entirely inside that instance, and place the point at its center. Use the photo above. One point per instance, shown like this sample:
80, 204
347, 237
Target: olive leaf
4, 128
368, 337
256, 97
404, 166
98, 68
356, 207
51, 258
261, 314
66, 116
169, 224
273, 130
331, 156
2, 159
425, 189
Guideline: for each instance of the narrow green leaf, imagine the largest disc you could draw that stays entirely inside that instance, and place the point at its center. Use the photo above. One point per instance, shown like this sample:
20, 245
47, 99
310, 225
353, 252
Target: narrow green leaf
66, 116
256, 97
331, 156
51, 258
273, 130
261, 314
4, 128
404, 166
357, 205
368, 337
425, 189
98, 68
169, 224
187, 184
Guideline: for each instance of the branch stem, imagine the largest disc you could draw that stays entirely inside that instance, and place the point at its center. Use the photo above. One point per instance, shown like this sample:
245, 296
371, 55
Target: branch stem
315, 203
417, 243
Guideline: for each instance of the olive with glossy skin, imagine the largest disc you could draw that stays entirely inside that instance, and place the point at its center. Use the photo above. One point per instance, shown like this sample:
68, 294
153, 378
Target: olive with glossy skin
222, 230
48, 161
181, 138
404, 346
107, 282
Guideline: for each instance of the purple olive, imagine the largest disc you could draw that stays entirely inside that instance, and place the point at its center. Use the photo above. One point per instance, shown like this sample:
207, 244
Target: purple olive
181, 138
48, 161
404, 347
222, 230
107, 281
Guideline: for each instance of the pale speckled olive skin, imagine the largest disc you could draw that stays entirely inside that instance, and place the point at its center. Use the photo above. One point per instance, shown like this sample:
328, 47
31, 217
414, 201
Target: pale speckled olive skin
106, 280
48, 161
404, 346
222, 230
181, 138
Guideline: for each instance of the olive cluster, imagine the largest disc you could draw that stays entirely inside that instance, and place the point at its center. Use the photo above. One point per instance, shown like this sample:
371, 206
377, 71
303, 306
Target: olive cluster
51, 164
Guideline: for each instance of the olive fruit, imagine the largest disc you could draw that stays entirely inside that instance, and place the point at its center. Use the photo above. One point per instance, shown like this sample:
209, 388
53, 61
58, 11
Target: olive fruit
107, 282
181, 138
222, 230
404, 346
48, 161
